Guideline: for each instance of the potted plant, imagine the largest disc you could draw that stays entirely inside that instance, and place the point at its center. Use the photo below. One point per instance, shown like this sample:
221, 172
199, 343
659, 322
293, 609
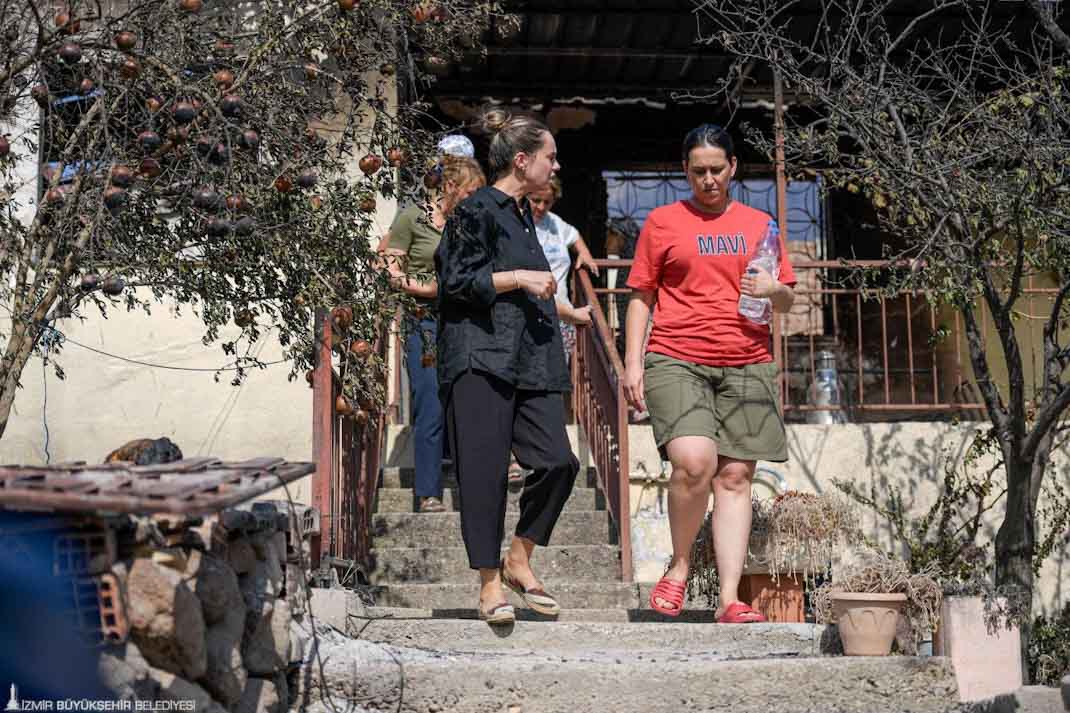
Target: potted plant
866, 602
806, 532
794, 534
980, 624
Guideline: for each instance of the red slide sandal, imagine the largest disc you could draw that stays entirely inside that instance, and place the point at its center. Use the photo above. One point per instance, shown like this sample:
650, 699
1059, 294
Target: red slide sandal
740, 613
671, 591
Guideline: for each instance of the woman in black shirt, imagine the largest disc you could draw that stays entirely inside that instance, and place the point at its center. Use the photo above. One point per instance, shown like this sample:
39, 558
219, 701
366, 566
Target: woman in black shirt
501, 366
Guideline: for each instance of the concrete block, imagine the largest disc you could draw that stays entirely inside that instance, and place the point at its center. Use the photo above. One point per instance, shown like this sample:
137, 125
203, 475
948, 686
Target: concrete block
334, 607
986, 665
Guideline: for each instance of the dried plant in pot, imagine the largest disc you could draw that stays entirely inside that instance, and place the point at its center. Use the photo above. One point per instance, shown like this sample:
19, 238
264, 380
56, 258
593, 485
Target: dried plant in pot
795, 534
866, 602
805, 532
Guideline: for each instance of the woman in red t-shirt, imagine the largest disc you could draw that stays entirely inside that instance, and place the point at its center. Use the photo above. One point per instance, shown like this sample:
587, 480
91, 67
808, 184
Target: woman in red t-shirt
708, 377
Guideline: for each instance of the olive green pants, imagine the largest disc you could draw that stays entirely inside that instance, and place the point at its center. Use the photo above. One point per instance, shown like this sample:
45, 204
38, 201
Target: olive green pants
738, 407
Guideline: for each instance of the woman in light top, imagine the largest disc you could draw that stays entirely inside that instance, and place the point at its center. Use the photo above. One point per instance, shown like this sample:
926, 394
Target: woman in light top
410, 250
558, 240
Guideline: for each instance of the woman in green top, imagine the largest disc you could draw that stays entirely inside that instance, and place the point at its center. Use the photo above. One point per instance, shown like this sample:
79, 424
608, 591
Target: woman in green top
410, 249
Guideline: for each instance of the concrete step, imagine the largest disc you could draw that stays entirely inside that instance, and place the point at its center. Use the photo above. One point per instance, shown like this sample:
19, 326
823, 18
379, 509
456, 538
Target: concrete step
450, 564
582, 594
405, 477
724, 641
457, 596
622, 680
604, 616
404, 500
574, 527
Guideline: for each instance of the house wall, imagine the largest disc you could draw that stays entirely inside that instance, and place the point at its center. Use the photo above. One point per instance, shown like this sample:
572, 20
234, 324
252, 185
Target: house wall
105, 401
1030, 314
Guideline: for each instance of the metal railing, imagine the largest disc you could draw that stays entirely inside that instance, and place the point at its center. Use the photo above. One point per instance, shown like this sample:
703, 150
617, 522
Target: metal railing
347, 449
600, 408
896, 356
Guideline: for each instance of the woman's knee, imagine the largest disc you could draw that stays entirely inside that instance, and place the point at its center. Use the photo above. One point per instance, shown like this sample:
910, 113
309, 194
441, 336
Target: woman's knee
693, 471
734, 477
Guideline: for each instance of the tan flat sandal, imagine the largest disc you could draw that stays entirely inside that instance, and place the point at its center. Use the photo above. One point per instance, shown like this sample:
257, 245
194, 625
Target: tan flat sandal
537, 599
500, 614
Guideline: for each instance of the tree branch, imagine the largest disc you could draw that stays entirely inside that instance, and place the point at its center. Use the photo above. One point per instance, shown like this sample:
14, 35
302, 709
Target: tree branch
1050, 26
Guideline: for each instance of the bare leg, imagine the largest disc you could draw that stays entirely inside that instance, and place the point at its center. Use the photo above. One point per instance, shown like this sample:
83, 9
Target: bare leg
731, 524
693, 462
490, 588
518, 562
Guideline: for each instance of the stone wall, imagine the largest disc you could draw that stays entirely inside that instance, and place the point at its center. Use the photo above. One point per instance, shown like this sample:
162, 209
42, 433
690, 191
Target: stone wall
216, 610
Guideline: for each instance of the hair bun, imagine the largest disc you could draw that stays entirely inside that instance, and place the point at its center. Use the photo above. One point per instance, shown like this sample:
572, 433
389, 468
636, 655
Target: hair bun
494, 120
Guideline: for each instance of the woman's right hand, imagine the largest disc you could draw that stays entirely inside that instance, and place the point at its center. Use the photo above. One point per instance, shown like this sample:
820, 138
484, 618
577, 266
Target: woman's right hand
537, 284
633, 386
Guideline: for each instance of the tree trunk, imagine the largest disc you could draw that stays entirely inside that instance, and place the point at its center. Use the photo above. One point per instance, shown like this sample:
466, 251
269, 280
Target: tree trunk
1015, 545
16, 356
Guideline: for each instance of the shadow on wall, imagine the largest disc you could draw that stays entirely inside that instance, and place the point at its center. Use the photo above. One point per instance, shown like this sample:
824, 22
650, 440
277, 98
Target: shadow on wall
911, 457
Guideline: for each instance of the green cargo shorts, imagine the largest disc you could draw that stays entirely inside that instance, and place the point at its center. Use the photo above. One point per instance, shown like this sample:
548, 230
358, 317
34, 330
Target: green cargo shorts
736, 406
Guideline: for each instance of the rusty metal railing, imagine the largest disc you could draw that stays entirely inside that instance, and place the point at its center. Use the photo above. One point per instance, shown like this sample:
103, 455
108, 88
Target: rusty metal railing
347, 449
896, 356
600, 408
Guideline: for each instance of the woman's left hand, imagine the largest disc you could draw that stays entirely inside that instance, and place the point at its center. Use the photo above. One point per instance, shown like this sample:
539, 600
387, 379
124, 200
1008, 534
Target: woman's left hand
756, 282
581, 316
586, 262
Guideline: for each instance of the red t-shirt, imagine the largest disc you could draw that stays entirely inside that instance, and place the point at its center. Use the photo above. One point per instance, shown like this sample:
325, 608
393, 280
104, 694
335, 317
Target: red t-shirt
694, 261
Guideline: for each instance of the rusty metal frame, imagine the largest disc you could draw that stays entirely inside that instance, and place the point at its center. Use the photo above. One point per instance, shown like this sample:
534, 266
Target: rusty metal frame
600, 407
194, 486
347, 457
885, 401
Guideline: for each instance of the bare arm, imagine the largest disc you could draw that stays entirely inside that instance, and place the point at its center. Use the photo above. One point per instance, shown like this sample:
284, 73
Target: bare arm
395, 260
579, 316
538, 284
584, 259
783, 297
639, 308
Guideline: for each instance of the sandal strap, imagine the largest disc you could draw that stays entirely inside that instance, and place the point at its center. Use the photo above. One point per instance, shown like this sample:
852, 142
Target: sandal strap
671, 587
740, 609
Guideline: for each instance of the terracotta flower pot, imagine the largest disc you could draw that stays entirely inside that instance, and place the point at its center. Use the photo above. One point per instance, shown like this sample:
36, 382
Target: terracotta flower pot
867, 621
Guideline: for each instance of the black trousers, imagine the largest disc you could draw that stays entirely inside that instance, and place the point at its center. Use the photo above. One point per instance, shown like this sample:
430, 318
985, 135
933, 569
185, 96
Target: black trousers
486, 418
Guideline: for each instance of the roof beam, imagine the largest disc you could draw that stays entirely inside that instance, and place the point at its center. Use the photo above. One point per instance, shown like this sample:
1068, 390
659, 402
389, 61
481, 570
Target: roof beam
610, 52
475, 87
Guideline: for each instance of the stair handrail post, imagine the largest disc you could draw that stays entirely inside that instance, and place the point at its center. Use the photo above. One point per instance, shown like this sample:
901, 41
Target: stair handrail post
613, 476
323, 432
370, 437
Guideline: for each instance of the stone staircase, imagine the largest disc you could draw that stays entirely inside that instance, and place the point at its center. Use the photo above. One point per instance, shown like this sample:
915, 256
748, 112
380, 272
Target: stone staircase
410, 641
384, 662
420, 566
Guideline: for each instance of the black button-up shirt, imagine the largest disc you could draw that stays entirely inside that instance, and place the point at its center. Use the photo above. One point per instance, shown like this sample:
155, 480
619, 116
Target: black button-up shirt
511, 335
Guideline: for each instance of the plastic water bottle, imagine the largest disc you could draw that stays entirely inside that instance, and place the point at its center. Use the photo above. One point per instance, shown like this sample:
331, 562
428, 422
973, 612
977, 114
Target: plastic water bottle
767, 256
825, 390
